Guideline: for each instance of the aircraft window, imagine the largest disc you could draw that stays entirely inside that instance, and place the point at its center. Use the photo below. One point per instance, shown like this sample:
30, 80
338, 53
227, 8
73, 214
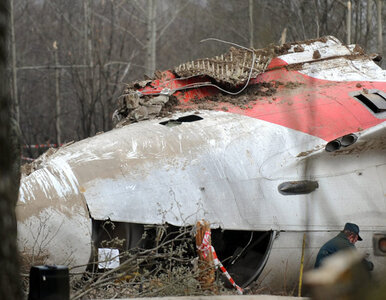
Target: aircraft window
376, 101
179, 121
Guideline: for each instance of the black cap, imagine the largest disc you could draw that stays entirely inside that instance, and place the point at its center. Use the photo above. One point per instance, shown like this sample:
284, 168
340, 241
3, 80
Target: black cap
354, 228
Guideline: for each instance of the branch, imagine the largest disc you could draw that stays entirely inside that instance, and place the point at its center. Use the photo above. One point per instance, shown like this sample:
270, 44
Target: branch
342, 3
119, 27
172, 19
120, 5
62, 15
52, 67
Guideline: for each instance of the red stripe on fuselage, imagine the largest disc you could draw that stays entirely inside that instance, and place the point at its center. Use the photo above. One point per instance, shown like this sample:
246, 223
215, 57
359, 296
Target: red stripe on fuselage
317, 107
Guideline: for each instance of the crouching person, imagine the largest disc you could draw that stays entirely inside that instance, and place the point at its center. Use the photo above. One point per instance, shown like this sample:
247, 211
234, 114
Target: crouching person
346, 239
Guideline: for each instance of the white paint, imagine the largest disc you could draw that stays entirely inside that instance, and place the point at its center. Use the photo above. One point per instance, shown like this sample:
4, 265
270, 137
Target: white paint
219, 169
50, 237
55, 180
334, 69
216, 178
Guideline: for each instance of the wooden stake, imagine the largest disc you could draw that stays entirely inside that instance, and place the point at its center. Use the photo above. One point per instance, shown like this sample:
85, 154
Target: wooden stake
206, 268
301, 267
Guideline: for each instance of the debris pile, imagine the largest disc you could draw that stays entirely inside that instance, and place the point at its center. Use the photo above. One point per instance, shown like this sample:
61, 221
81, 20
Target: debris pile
230, 71
224, 78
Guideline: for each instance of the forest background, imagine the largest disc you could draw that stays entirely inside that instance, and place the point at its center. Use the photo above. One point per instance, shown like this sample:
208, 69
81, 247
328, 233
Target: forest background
69, 60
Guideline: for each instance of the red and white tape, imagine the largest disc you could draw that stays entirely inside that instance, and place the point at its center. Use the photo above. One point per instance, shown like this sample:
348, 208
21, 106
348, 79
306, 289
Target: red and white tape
205, 247
37, 146
27, 158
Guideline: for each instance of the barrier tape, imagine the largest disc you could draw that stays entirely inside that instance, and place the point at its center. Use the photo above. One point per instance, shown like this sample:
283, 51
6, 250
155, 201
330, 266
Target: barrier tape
205, 247
36, 146
27, 158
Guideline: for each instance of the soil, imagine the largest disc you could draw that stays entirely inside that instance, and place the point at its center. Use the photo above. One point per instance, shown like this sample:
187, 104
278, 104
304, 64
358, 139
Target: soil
229, 71
316, 55
259, 89
170, 107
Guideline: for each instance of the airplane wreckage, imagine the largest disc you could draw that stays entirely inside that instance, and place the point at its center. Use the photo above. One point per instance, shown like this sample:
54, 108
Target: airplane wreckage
264, 144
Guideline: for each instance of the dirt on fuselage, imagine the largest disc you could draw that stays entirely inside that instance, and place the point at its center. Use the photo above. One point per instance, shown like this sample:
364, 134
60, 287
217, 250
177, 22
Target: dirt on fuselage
230, 71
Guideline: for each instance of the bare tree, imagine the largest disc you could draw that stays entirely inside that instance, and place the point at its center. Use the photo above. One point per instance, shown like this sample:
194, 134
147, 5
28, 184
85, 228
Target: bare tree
151, 37
57, 96
9, 181
348, 23
368, 21
14, 69
251, 29
379, 25
316, 3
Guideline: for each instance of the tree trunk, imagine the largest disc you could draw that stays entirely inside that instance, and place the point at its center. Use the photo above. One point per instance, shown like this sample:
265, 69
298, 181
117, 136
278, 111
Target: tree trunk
9, 175
57, 97
16, 106
316, 4
348, 23
283, 37
360, 34
356, 33
151, 37
379, 24
88, 84
251, 24
368, 22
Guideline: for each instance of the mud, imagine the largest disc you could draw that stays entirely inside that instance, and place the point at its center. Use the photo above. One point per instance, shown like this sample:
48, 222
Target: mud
250, 94
134, 108
316, 55
230, 71
359, 50
306, 153
364, 146
170, 107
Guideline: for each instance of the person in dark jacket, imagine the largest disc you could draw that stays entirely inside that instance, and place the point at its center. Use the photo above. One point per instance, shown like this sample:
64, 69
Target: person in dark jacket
346, 239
